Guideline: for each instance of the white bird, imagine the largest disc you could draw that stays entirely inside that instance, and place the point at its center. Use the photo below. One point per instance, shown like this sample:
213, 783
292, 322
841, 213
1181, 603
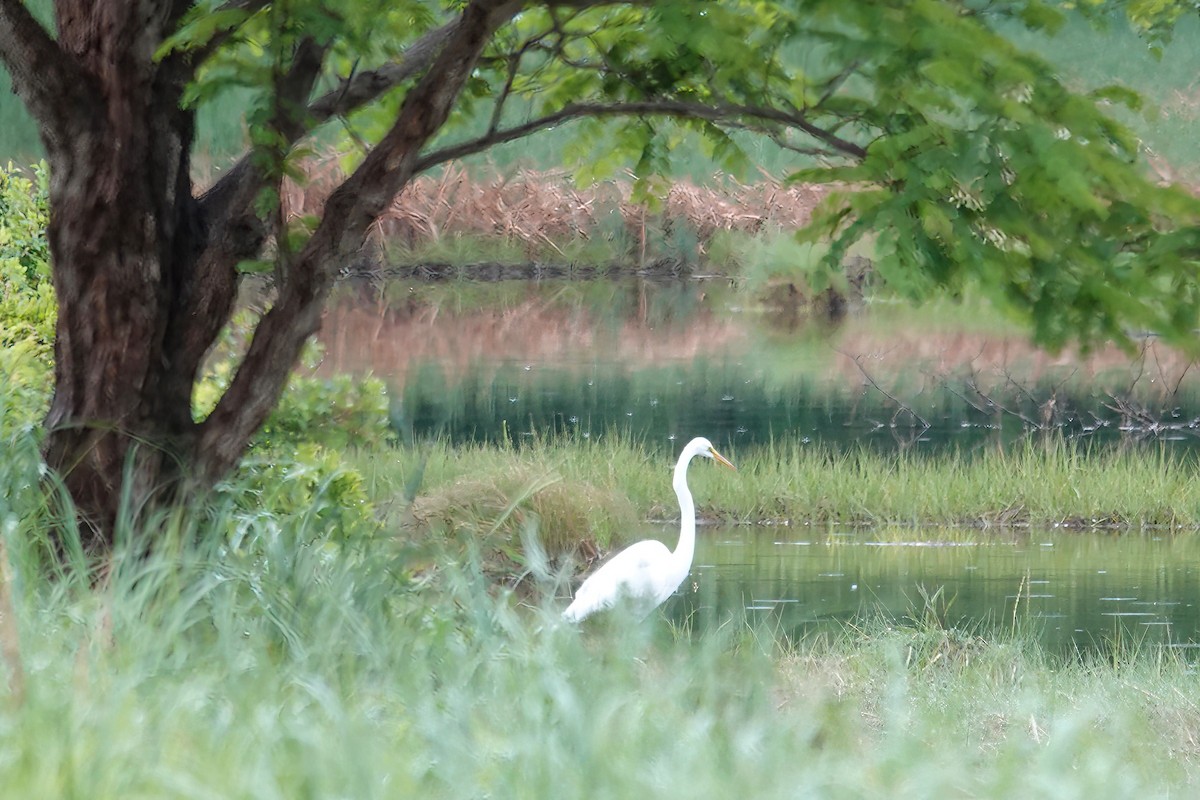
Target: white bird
647, 573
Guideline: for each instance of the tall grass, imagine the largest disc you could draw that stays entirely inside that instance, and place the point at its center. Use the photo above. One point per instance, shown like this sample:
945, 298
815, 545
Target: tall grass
1039, 482
296, 666
604, 484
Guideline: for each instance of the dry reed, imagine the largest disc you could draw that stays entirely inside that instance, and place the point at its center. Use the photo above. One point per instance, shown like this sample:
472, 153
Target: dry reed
545, 209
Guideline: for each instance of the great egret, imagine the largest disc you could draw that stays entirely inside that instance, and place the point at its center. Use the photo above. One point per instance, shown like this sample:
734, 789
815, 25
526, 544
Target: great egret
647, 573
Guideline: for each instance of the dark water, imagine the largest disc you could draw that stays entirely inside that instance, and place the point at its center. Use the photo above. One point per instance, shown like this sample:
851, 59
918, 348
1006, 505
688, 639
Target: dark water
734, 404
1074, 591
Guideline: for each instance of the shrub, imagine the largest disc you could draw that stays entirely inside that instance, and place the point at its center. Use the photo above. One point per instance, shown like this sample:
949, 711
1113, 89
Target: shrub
309, 489
27, 305
338, 412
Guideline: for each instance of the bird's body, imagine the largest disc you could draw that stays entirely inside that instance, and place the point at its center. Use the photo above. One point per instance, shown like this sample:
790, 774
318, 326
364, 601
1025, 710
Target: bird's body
646, 573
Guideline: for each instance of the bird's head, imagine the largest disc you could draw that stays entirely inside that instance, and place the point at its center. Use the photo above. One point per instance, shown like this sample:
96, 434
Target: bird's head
703, 447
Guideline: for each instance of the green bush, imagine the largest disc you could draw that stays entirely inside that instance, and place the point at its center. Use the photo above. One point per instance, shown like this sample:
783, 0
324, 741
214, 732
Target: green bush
338, 412
24, 376
308, 488
27, 305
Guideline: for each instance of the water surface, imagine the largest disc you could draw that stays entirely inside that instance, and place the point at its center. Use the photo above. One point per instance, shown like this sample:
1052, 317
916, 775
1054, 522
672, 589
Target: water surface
1073, 590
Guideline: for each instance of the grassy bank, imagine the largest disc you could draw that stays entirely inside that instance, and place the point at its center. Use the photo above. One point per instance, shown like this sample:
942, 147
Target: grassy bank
595, 491
292, 664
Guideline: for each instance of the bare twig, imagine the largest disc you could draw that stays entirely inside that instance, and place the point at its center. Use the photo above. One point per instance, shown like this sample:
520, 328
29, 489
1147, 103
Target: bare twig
1001, 407
1182, 375
954, 391
514, 64
901, 405
837, 80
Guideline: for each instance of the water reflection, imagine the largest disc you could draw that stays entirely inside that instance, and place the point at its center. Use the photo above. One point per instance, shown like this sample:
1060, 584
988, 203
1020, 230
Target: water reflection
1072, 590
513, 361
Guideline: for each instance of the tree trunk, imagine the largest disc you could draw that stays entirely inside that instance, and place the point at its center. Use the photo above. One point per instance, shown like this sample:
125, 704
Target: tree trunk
123, 237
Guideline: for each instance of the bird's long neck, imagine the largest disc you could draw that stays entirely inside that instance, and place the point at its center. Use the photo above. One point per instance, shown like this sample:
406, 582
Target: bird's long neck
687, 515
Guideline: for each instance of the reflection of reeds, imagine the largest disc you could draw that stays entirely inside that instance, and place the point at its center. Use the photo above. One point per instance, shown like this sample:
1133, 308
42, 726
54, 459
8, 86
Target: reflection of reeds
904, 358
544, 210
389, 341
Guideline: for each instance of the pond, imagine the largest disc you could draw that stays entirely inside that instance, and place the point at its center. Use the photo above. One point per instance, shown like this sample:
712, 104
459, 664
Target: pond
662, 362
1074, 591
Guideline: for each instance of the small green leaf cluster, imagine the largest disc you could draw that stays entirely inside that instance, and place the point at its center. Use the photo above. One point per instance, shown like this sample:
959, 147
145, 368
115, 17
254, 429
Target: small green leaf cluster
308, 487
338, 412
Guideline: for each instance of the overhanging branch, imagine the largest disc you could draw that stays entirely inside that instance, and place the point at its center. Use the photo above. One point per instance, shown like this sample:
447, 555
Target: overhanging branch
729, 114
353, 93
280, 335
364, 87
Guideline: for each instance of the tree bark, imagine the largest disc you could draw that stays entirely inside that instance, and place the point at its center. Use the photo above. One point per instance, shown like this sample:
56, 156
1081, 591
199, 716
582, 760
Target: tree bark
123, 237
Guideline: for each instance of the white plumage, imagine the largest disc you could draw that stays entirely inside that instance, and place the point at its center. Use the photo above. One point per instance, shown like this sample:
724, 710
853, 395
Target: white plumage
647, 573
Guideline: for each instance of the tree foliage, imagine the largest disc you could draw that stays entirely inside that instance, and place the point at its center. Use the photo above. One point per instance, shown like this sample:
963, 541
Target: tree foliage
984, 167
958, 157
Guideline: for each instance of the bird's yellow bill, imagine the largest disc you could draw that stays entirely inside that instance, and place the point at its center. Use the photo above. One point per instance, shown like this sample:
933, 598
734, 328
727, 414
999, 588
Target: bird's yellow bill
720, 459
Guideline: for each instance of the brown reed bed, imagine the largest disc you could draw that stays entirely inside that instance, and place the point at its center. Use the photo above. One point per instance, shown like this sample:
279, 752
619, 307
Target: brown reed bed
541, 213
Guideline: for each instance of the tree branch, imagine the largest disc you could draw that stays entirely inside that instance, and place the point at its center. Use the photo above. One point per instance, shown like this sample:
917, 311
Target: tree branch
360, 89
514, 65
48, 80
354, 92
294, 86
211, 286
668, 108
292, 89
350, 210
